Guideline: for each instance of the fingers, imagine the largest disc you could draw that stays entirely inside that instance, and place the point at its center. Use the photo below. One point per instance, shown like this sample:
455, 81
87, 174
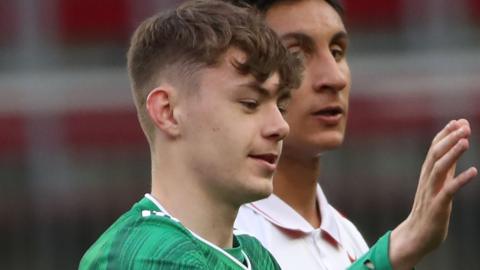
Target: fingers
451, 126
438, 184
445, 163
440, 148
453, 186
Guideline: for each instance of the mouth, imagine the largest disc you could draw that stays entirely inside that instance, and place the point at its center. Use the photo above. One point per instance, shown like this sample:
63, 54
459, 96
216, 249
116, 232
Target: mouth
267, 158
329, 111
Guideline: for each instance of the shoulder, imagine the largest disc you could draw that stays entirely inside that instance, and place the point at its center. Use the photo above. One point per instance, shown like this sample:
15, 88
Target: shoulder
259, 256
245, 211
343, 220
250, 222
161, 235
246, 216
144, 238
350, 232
247, 240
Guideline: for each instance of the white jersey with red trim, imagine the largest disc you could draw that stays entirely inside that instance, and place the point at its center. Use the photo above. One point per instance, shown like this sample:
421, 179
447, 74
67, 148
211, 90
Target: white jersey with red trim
294, 243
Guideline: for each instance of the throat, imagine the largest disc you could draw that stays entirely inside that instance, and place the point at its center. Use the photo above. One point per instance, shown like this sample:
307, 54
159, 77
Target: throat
296, 184
310, 214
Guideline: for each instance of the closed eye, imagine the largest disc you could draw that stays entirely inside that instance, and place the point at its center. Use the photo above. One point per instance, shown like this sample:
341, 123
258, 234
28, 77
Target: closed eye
298, 53
282, 106
250, 104
283, 102
299, 43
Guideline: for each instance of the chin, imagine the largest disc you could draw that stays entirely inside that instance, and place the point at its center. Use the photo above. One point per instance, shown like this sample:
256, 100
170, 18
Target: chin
331, 144
259, 192
325, 142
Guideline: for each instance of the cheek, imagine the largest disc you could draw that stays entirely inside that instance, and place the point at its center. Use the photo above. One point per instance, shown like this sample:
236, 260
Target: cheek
297, 107
227, 134
346, 97
348, 78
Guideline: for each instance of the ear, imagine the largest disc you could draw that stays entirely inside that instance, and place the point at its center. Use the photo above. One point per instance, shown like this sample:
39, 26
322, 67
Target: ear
160, 106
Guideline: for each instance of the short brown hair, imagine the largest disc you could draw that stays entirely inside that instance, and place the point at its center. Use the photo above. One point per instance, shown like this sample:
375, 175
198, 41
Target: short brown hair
264, 5
197, 34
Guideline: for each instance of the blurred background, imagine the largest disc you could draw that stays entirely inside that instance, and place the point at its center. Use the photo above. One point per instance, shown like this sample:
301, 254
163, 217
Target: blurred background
73, 157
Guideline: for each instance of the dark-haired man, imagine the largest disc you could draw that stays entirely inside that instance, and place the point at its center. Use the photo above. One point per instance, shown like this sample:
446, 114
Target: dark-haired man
210, 82
297, 224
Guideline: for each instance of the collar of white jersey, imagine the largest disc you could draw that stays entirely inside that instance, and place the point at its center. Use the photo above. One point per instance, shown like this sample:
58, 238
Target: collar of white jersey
282, 215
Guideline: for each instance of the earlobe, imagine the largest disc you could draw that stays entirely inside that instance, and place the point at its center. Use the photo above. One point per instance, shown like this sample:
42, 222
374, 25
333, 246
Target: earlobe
160, 107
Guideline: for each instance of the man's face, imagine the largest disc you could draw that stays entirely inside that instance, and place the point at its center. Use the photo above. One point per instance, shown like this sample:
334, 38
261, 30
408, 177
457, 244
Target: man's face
233, 130
317, 113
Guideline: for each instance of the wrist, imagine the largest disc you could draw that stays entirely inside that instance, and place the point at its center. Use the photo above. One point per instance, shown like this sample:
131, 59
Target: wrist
405, 249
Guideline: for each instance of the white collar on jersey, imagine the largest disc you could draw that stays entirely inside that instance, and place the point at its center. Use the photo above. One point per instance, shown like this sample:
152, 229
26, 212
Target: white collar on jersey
240, 264
281, 214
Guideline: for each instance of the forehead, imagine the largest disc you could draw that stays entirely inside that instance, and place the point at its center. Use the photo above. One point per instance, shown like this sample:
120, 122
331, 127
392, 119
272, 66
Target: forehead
230, 78
271, 84
306, 16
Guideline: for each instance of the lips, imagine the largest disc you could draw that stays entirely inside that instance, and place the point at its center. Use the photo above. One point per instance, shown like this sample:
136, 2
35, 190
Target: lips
330, 115
268, 158
266, 162
329, 111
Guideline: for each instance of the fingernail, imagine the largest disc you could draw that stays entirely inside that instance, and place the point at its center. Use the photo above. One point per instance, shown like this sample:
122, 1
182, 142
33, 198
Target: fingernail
453, 123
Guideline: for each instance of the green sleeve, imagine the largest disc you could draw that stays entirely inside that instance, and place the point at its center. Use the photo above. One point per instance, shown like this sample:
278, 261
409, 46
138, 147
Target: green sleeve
376, 258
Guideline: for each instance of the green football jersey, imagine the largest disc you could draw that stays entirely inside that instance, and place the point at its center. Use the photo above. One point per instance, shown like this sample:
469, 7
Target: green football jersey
147, 237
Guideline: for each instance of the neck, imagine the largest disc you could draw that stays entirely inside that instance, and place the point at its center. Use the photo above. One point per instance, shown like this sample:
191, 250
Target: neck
295, 182
186, 200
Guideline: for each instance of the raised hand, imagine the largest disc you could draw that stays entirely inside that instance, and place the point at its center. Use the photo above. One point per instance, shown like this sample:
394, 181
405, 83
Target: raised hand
427, 225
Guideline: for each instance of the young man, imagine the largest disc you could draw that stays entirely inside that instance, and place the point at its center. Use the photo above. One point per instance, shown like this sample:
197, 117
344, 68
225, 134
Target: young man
210, 82
297, 224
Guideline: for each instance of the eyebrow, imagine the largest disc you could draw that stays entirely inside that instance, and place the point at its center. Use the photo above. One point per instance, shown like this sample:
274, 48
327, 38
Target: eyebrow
303, 38
342, 35
255, 86
309, 42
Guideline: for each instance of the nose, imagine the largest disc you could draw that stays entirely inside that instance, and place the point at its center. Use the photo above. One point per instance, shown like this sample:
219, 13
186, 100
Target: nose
328, 74
276, 128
